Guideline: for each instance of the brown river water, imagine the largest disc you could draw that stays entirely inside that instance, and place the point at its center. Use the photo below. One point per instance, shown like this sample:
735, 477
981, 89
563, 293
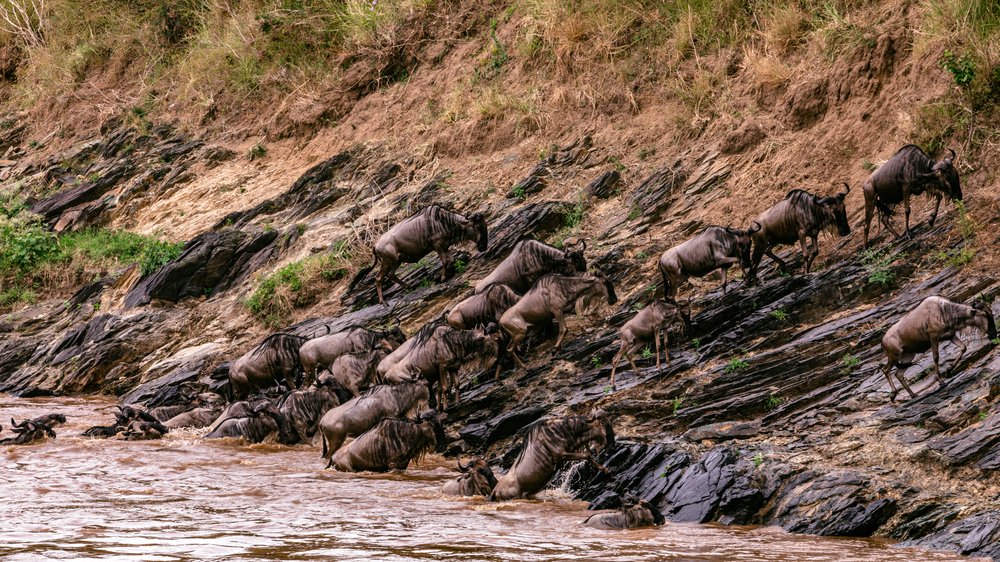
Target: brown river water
184, 498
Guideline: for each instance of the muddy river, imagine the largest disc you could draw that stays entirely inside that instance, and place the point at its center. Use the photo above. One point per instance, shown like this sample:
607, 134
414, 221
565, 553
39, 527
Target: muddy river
183, 498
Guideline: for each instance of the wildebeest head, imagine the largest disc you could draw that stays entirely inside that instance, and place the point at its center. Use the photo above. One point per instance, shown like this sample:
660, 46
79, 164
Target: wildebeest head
612, 297
946, 176
479, 219
742, 240
441, 440
658, 518
983, 311
835, 210
601, 431
574, 256
479, 471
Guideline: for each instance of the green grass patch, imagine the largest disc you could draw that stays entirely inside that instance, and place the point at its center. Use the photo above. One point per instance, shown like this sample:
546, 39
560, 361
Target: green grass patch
878, 264
735, 365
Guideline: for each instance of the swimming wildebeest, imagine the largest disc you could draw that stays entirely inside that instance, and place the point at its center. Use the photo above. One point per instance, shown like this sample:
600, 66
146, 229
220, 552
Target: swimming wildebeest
713, 248
798, 217
198, 417
356, 372
358, 415
144, 430
477, 479
391, 445
439, 357
123, 417
934, 320
254, 421
646, 326
633, 513
433, 229
50, 420
531, 259
274, 359
551, 298
28, 431
909, 172
320, 353
305, 407
546, 444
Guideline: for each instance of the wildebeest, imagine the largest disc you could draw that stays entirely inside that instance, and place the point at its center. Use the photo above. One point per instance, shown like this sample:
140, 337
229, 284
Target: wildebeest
144, 430
551, 298
391, 445
397, 355
646, 326
909, 172
356, 372
433, 229
274, 359
198, 417
28, 431
319, 353
932, 321
546, 444
123, 417
360, 414
713, 248
305, 407
482, 308
439, 357
798, 217
477, 479
633, 513
254, 421
50, 420
531, 259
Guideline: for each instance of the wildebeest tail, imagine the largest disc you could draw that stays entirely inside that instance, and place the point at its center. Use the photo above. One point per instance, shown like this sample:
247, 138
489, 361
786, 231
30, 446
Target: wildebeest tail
364, 271
666, 282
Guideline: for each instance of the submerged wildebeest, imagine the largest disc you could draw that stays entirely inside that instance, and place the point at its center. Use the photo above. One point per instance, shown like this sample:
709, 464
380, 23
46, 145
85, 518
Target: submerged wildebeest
273, 360
531, 259
433, 229
482, 309
477, 479
439, 357
360, 414
713, 248
356, 372
123, 417
198, 417
391, 445
50, 420
551, 298
28, 431
932, 321
255, 421
647, 325
798, 217
305, 407
549, 442
320, 353
633, 513
909, 172
144, 430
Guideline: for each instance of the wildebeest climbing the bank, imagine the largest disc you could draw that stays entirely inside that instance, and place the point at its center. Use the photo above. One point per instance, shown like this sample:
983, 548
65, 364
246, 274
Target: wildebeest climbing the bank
531, 259
391, 445
548, 443
476, 479
800, 216
934, 320
274, 360
433, 229
254, 420
320, 353
647, 326
551, 298
713, 248
305, 407
909, 172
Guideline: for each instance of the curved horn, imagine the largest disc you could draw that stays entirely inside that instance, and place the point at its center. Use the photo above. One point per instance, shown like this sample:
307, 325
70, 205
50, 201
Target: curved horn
953, 155
734, 231
847, 188
751, 230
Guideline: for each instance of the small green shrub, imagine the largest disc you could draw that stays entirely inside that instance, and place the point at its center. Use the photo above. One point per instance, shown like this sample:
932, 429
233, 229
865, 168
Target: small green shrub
957, 257
878, 263
966, 225
773, 402
596, 362
519, 192
779, 315
17, 295
868, 165
459, 266
983, 415
676, 404
848, 362
696, 342
758, 460
574, 216
962, 68
646, 352
157, 253
736, 364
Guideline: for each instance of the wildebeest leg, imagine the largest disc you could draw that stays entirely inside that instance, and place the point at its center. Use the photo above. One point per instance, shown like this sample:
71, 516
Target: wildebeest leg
656, 340
758, 252
723, 272
869, 210
563, 328
906, 206
614, 362
585, 456
934, 353
813, 252
961, 349
937, 205
444, 255
781, 263
804, 246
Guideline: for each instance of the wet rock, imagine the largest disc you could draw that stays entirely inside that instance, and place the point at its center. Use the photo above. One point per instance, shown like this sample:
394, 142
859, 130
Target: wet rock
211, 262
925, 519
977, 536
700, 490
169, 381
646, 470
838, 503
724, 431
53, 206
484, 434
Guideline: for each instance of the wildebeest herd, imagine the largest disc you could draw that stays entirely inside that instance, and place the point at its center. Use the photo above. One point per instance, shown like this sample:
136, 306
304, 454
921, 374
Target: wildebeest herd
376, 397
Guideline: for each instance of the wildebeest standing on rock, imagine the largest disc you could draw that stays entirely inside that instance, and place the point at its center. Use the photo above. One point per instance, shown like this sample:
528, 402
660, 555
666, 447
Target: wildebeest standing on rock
531, 259
482, 308
632, 514
548, 443
437, 357
391, 445
433, 229
798, 217
646, 326
398, 354
28, 431
319, 353
477, 479
909, 172
932, 321
358, 415
274, 359
356, 372
551, 298
713, 248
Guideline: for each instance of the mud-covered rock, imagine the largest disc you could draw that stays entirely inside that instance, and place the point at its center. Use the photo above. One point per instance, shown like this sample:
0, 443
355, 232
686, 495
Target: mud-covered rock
977, 536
